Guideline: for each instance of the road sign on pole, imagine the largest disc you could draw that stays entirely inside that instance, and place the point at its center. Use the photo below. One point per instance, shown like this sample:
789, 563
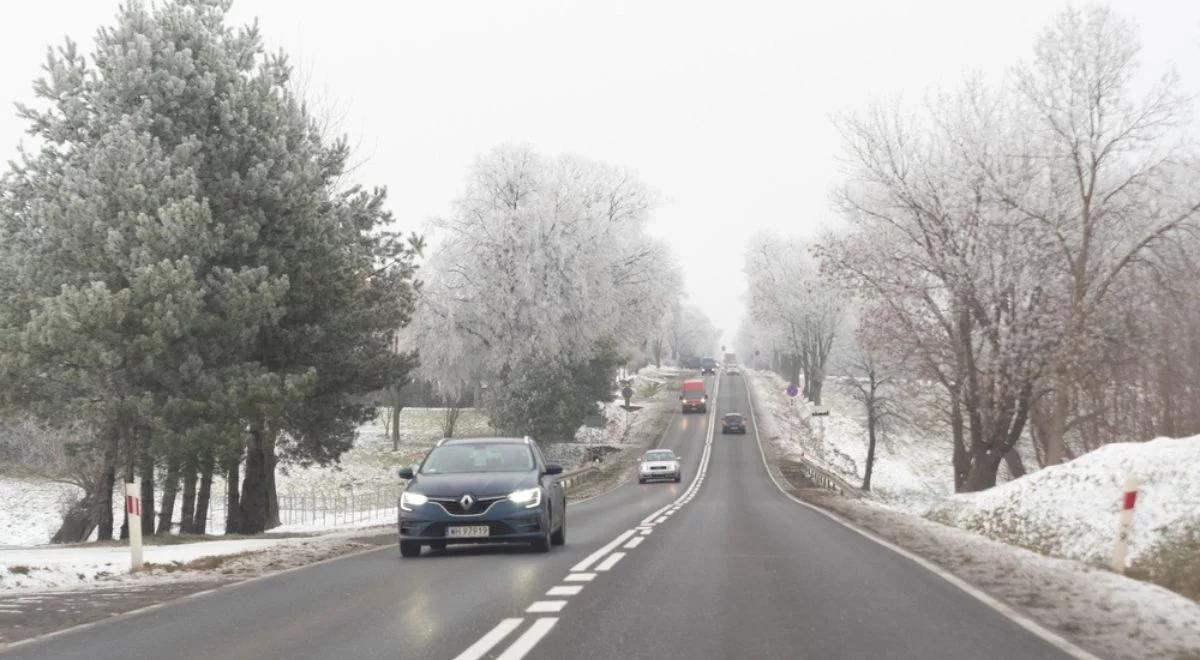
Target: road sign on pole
133, 510
792, 390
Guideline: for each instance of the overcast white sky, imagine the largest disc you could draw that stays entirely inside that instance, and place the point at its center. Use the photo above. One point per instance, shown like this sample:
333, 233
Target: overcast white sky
723, 107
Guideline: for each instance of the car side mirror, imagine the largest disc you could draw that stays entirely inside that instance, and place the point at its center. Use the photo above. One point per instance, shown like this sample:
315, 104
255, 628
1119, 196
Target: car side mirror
405, 473
553, 468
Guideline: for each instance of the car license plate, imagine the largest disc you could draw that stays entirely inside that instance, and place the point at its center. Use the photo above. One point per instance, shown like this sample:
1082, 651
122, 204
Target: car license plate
467, 532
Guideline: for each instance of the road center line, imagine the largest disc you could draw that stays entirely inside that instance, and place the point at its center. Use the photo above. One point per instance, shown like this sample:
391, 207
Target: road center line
528, 639
634, 542
610, 561
540, 606
579, 577
485, 643
565, 590
595, 556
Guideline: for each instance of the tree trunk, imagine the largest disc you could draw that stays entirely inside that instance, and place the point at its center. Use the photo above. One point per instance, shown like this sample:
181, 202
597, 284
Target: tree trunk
270, 460
233, 509
961, 460
104, 494
77, 524
1016, 466
815, 386
870, 449
166, 512
146, 472
200, 518
982, 474
395, 418
254, 504
1056, 428
187, 511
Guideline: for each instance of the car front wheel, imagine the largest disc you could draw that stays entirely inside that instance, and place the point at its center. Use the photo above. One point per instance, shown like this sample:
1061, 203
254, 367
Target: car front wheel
409, 549
559, 537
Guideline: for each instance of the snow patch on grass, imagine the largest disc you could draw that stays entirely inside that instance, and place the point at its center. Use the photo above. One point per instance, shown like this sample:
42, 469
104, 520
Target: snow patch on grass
1070, 510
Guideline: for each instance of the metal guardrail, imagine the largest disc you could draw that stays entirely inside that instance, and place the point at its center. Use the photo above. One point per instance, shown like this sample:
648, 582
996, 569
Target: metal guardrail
828, 480
577, 477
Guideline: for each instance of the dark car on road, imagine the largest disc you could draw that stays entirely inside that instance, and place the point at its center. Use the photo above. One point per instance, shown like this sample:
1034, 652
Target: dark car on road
708, 366
482, 490
733, 423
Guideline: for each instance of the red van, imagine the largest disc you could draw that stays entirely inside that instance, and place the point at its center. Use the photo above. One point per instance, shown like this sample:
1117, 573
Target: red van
693, 397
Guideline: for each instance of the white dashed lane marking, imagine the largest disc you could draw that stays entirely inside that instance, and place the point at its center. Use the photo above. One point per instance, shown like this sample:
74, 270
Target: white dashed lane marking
580, 577
595, 556
634, 542
610, 561
494, 637
528, 639
544, 606
565, 590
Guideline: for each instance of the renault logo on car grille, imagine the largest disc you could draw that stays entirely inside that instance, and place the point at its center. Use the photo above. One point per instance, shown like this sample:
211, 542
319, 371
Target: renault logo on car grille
466, 502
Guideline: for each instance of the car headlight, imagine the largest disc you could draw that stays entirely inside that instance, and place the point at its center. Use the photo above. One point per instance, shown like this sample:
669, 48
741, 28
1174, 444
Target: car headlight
530, 497
409, 500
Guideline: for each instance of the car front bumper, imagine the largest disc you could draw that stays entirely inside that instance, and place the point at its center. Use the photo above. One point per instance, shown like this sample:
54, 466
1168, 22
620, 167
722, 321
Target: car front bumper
658, 474
506, 522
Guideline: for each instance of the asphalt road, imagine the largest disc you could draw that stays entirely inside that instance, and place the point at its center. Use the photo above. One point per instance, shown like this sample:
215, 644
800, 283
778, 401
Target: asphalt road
721, 567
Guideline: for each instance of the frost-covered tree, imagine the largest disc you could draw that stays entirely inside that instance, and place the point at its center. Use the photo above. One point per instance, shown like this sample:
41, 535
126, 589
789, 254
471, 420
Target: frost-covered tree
186, 271
692, 333
544, 274
1114, 179
791, 302
949, 273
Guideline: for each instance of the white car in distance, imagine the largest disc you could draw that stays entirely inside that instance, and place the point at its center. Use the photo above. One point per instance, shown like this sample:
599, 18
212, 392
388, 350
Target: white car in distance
659, 464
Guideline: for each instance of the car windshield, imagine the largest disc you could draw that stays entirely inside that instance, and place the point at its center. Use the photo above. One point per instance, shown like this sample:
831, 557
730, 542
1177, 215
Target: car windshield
478, 457
659, 456
733, 418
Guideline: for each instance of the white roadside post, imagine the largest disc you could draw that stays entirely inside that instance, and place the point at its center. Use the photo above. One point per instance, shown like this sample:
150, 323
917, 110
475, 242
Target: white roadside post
133, 510
1124, 525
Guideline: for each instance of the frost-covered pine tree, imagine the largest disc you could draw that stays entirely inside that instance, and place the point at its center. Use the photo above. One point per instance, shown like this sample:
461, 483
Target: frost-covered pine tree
187, 273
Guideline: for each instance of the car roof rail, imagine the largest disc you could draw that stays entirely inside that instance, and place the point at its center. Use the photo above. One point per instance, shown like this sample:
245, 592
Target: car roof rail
528, 440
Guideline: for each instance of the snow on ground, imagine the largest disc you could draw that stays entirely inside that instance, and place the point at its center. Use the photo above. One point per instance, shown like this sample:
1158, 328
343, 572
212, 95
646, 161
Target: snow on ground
1070, 510
48, 568
31, 509
912, 468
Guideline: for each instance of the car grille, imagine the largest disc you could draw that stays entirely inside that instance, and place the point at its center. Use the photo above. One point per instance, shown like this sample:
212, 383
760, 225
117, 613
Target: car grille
454, 507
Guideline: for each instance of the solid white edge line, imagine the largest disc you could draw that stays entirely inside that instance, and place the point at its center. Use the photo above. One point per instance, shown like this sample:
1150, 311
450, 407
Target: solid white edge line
565, 590
607, 548
1045, 634
492, 638
540, 606
610, 561
528, 639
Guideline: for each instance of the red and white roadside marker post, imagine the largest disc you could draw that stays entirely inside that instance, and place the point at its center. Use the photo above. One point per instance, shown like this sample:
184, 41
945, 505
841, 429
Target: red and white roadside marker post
1124, 525
133, 511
